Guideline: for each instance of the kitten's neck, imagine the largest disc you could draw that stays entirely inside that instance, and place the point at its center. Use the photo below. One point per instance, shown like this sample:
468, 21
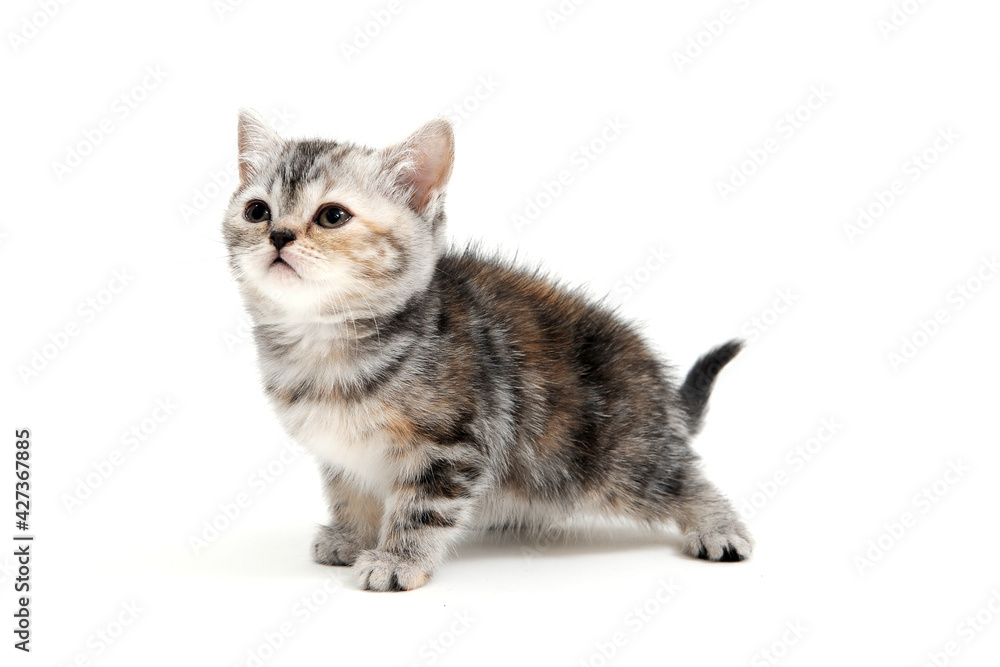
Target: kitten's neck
353, 343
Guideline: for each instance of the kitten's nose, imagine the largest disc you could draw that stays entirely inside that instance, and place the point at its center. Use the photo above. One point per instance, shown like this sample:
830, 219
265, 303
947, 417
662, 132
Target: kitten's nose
281, 237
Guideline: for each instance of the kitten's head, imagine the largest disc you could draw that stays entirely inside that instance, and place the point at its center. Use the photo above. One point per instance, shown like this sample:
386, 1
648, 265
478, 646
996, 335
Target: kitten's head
323, 228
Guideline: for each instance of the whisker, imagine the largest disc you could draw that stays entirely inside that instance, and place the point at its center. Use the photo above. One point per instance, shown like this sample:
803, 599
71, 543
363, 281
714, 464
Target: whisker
378, 338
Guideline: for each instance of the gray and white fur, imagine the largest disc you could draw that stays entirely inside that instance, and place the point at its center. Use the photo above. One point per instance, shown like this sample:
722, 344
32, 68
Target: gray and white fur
445, 390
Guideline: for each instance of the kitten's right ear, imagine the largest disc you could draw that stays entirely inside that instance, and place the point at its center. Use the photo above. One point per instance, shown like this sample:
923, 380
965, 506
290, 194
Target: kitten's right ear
254, 138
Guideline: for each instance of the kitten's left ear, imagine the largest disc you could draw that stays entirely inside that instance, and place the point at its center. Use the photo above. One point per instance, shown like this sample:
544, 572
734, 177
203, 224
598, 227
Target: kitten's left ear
423, 163
254, 138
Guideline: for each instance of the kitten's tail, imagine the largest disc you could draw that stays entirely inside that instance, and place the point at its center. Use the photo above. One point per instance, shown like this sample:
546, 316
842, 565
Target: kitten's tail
698, 383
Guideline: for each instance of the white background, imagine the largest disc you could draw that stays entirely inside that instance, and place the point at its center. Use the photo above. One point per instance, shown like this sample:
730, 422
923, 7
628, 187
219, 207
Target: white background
143, 201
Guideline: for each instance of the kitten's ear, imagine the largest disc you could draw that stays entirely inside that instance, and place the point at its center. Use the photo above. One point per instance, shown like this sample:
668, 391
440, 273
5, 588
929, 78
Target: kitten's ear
254, 138
422, 163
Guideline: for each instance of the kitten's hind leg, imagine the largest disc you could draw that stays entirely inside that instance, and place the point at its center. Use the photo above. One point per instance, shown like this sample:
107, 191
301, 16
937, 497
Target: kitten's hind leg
712, 529
673, 490
354, 523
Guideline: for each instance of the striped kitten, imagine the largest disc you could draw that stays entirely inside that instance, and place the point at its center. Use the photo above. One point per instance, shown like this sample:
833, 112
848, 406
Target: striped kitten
442, 390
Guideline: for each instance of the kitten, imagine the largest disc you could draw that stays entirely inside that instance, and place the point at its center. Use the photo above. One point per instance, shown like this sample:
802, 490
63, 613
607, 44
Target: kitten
444, 390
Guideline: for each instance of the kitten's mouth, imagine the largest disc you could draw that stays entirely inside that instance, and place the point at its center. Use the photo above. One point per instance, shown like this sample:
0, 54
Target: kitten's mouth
281, 266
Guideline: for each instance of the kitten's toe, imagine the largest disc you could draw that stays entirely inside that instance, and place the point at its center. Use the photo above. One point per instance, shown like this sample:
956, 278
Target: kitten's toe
720, 546
380, 571
330, 548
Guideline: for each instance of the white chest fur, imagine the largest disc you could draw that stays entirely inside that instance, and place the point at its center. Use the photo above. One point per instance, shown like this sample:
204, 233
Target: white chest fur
347, 437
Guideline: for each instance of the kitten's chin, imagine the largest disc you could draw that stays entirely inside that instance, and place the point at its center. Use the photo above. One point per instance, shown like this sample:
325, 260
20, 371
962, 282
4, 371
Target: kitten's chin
277, 283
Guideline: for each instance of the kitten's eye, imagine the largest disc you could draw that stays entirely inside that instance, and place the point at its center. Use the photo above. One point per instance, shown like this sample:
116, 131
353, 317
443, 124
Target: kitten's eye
257, 211
332, 216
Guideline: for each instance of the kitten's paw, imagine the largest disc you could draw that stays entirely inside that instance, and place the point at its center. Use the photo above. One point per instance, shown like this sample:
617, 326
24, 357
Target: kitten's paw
330, 548
723, 545
380, 571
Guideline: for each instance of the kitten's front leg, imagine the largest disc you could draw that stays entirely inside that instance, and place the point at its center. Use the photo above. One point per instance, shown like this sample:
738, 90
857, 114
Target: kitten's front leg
424, 516
354, 524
